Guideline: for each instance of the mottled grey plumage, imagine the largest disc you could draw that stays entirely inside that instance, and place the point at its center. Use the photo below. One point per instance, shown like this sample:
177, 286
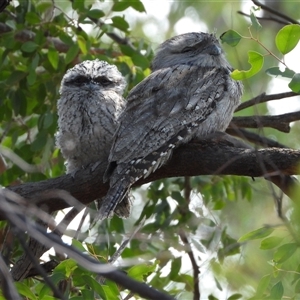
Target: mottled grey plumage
189, 93
88, 110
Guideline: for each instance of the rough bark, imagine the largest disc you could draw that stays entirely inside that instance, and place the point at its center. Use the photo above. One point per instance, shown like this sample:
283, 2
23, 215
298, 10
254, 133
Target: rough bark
208, 157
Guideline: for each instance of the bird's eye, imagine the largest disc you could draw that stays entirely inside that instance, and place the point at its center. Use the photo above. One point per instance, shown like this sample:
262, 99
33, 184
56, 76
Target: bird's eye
79, 80
102, 80
187, 49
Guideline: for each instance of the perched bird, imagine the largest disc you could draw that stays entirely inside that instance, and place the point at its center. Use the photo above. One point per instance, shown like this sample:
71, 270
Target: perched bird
188, 94
88, 110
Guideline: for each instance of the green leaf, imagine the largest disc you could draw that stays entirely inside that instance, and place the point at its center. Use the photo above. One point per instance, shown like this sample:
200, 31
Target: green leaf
82, 44
275, 71
15, 77
29, 47
32, 18
139, 271
277, 291
256, 234
135, 4
87, 294
284, 252
176, 195
47, 120
78, 245
120, 23
96, 286
72, 53
297, 287
53, 57
66, 267
294, 85
56, 277
24, 290
175, 268
262, 285
96, 13
66, 38
78, 5
256, 61
255, 22
19, 102
141, 61
31, 78
231, 38
270, 242
235, 296
120, 6
39, 143
43, 6
127, 50
287, 38
111, 290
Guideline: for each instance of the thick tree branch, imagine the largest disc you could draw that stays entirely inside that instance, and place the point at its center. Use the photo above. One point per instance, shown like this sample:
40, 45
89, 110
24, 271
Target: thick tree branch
3, 4
206, 158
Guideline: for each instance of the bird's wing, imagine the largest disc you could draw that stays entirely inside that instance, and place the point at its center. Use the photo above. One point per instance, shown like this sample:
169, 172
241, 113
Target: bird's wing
164, 104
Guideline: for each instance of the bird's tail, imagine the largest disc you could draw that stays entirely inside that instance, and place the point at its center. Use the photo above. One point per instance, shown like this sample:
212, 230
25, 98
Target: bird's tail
123, 208
115, 197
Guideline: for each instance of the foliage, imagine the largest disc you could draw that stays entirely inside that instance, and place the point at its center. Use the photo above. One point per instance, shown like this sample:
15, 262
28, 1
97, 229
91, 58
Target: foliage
286, 40
222, 216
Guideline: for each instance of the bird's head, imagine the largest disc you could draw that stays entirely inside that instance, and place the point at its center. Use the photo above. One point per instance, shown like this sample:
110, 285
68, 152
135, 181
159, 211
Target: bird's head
193, 48
93, 75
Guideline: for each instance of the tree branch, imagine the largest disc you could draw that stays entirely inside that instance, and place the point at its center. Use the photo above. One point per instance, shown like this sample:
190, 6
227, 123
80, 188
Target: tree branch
27, 35
277, 20
254, 138
279, 122
196, 271
275, 12
3, 4
262, 98
207, 157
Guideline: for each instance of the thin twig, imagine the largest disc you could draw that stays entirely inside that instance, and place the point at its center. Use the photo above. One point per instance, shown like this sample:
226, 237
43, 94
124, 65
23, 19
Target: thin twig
122, 247
254, 138
277, 199
115, 37
265, 18
6, 282
27, 35
36, 264
196, 270
23, 267
183, 237
262, 98
275, 12
85, 261
86, 212
279, 122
